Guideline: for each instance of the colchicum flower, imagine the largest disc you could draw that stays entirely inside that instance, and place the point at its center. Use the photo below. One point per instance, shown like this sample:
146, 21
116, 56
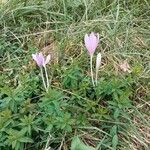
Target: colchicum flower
91, 42
41, 62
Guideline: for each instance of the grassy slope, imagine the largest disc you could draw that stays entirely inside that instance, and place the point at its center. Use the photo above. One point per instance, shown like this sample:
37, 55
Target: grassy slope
59, 26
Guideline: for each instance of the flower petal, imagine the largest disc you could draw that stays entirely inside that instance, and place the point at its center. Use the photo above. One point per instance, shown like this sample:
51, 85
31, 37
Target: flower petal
34, 56
87, 42
91, 42
94, 42
41, 59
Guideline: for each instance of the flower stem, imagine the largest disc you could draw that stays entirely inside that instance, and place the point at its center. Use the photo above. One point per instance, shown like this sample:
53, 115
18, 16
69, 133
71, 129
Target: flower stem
43, 79
96, 76
91, 65
46, 77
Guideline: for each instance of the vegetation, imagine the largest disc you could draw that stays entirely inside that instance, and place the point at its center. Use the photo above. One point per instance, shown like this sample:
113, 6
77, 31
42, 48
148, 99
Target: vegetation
73, 114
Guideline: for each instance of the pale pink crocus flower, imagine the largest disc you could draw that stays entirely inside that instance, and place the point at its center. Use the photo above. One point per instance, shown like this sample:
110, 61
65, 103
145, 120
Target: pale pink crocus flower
125, 67
41, 62
91, 43
40, 59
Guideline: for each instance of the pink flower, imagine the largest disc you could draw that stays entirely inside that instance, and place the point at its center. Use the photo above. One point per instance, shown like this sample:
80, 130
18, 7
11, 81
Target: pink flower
40, 60
91, 42
125, 67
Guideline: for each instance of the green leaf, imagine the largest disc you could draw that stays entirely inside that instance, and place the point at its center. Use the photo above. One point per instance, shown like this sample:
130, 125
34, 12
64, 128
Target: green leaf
115, 142
14, 144
25, 140
77, 144
116, 113
113, 130
18, 146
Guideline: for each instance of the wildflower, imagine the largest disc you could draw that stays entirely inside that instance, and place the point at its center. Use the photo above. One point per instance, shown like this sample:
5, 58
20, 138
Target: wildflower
91, 42
41, 62
125, 67
98, 63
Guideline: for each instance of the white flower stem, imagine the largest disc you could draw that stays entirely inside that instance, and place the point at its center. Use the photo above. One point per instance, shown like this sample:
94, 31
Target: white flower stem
96, 76
43, 79
47, 80
91, 65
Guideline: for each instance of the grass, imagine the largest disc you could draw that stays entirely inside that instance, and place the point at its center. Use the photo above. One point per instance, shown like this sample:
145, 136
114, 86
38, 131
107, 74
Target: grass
102, 117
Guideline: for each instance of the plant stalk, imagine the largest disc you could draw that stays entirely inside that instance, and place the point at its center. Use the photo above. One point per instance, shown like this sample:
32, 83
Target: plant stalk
43, 79
47, 80
96, 76
91, 65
